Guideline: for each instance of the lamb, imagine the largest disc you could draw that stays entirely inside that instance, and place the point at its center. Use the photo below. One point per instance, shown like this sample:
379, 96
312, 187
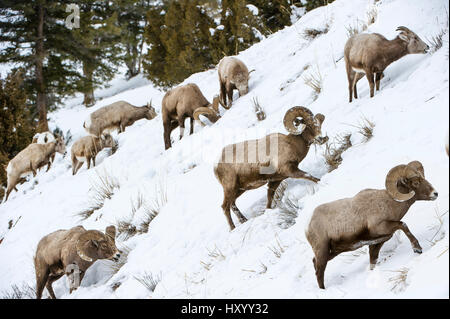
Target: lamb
71, 252
371, 54
181, 103
246, 166
44, 138
117, 116
87, 148
32, 158
370, 218
233, 75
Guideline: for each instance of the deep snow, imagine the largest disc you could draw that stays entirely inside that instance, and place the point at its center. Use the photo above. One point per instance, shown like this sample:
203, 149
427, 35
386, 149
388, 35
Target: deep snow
189, 245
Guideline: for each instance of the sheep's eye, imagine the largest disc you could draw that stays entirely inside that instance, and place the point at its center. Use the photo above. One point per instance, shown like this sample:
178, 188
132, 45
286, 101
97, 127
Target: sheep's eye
416, 183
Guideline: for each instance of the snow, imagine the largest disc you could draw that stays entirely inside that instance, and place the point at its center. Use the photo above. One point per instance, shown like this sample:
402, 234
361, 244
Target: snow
189, 245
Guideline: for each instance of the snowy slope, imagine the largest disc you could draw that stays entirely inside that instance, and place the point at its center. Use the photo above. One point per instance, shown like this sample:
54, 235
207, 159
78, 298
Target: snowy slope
189, 245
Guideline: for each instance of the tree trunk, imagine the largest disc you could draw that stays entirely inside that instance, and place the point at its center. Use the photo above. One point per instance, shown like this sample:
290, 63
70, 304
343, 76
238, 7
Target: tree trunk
89, 98
132, 61
41, 101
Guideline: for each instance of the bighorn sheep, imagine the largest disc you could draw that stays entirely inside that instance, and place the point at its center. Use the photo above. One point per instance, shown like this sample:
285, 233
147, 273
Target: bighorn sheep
117, 116
181, 103
233, 75
44, 138
370, 218
371, 54
87, 148
246, 166
30, 160
71, 252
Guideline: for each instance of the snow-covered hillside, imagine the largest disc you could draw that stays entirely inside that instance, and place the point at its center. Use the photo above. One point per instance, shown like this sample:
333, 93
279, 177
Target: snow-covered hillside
188, 246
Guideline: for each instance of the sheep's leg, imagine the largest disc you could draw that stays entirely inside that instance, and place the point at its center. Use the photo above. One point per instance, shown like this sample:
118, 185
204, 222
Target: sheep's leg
358, 77
50, 281
374, 252
387, 228
88, 161
167, 131
299, 174
227, 202
223, 93
42, 273
74, 165
370, 78
237, 212
93, 160
271, 192
229, 89
192, 126
181, 123
379, 76
12, 183
320, 264
351, 83
49, 165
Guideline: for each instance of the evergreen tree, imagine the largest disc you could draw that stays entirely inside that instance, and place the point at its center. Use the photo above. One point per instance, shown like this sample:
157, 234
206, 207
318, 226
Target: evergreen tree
36, 38
274, 14
180, 42
16, 122
133, 21
100, 36
313, 4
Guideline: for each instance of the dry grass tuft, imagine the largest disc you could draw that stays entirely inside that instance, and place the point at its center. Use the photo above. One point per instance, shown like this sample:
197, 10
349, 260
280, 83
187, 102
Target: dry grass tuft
356, 28
333, 151
399, 281
149, 281
366, 129
372, 15
126, 229
314, 80
312, 33
437, 41
24, 291
259, 111
103, 187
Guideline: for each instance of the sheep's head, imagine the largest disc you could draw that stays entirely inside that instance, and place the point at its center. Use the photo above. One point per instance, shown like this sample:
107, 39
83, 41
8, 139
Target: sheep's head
415, 44
405, 182
241, 83
299, 120
151, 114
211, 112
60, 145
108, 141
94, 245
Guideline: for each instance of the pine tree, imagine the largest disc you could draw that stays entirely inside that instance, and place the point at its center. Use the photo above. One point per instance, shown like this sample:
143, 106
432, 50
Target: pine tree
100, 36
313, 4
274, 14
133, 21
16, 122
36, 38
179, 40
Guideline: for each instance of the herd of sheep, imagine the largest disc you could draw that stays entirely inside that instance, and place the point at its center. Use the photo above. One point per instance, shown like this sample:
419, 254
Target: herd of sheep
370, 218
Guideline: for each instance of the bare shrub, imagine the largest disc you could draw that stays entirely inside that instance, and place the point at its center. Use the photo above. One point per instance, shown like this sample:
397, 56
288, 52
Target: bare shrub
437, 41
333, 151
103, 187
372, 15
314, 80
366, 129
399, 281
259, 111
24, 291
356, 28
312, 33
149, 281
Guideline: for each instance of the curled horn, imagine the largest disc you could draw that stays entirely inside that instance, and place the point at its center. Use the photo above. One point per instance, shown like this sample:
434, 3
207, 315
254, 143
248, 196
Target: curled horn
394, 176
208, 112
83, 239
291, 116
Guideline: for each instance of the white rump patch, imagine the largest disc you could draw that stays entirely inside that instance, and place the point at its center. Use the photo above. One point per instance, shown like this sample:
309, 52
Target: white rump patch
81, 159
88, 122
359, 70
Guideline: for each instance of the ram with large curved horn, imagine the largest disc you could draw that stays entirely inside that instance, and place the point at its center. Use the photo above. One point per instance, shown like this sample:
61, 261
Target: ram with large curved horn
270, 160
370, 218
211, 113
71, 252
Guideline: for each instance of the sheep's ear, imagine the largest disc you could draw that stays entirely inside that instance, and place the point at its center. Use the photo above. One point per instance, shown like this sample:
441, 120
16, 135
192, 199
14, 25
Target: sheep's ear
111, 232
403, 36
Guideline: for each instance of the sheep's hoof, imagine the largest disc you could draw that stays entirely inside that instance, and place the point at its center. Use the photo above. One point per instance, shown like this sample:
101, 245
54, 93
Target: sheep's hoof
372, 266
418, 250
